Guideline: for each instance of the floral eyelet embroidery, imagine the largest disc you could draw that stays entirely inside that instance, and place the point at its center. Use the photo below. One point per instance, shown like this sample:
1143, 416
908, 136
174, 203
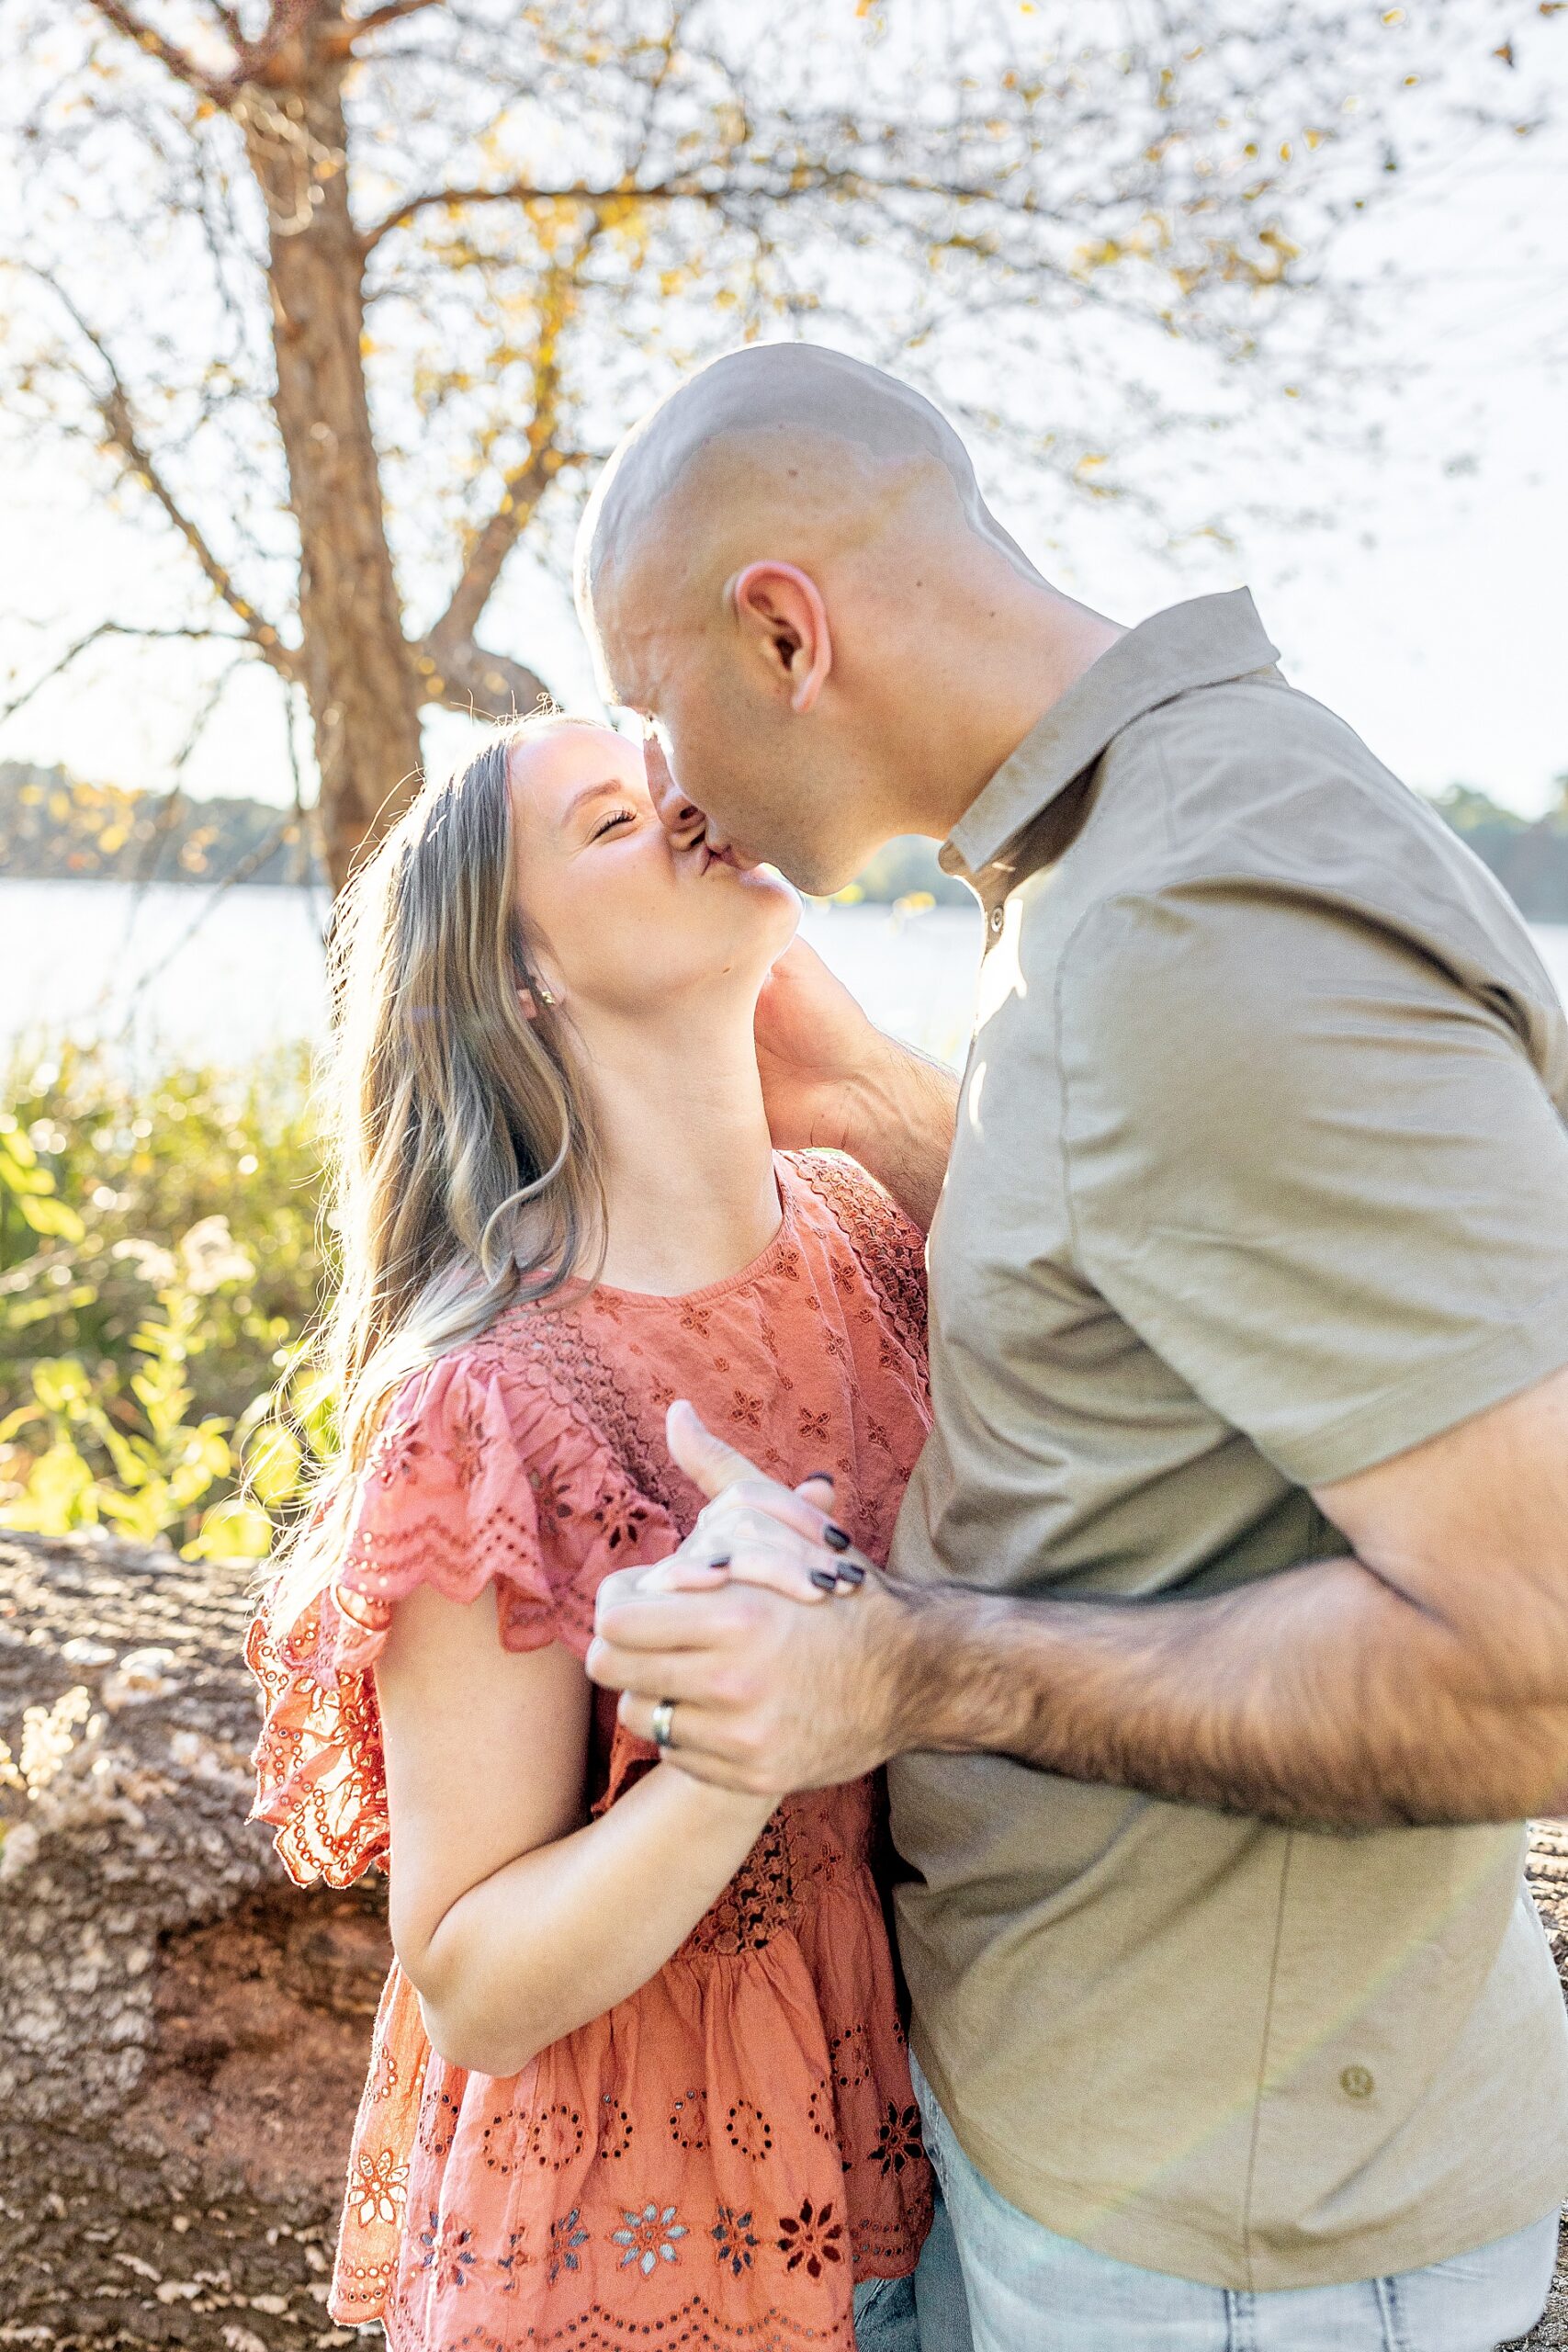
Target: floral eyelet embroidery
899, 2142
380, 2189
620, 1520
810, 2238
749, 2130
733, 2235
449, 2251
555, 2137
566, 2236
650, 2238
688, 2122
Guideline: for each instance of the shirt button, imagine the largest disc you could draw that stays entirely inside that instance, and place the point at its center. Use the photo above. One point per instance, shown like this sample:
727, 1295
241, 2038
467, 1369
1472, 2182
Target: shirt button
997, 920
1356, 2083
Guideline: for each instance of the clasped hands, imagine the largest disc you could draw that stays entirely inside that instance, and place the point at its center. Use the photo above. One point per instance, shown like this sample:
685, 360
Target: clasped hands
769, 1634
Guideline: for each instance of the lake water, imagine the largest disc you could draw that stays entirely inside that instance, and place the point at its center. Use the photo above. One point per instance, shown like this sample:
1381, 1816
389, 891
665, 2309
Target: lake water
167, 973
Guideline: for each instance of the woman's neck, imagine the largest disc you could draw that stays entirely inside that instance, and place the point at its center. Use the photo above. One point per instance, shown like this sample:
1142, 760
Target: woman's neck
690, 1191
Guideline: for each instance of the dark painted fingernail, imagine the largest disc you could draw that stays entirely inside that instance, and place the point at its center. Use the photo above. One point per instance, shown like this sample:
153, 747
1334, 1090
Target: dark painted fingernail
835, 1538
824, 1580
719, 1560
851, 1573
825, 1476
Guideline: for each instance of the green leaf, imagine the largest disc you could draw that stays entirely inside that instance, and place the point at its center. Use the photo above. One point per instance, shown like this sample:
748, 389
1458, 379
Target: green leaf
273, 1464
19, 1173
60, 1384
135, 1515
59, 1495
231, 1530
52, 1217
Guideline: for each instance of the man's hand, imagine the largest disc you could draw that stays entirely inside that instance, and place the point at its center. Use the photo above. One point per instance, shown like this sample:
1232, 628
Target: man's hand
769, 1695
832, 1081
1423, 1680
814, 1047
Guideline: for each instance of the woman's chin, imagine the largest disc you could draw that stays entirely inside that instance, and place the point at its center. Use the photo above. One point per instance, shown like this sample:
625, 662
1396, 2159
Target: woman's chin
782, 901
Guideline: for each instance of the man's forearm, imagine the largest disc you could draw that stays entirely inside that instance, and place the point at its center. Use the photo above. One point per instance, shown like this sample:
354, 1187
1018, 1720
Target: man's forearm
899, 1126
1317, 1698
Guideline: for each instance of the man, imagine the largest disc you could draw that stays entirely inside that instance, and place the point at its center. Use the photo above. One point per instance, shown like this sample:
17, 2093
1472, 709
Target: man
1224, 1647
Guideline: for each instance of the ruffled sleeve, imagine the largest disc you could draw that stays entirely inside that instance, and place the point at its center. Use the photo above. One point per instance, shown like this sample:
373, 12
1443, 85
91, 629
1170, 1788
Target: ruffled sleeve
472, 1479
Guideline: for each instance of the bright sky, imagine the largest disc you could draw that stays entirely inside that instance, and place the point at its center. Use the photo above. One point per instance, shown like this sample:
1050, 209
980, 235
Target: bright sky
1427, 608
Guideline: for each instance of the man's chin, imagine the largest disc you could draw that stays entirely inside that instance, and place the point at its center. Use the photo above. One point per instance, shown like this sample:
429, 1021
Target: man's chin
812, 876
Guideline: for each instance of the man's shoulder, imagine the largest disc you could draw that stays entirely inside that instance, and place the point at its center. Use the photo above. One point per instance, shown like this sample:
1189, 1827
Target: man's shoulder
1253, 764
1248, 815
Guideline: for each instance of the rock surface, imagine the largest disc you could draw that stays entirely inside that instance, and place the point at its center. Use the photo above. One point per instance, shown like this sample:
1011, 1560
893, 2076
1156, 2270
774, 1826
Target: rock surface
183, 2034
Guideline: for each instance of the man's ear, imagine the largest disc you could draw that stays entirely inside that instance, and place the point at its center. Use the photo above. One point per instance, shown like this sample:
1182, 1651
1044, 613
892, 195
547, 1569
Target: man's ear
784, 622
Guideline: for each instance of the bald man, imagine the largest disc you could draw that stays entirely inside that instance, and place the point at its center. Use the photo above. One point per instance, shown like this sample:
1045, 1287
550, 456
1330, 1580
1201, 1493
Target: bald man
1224, 1649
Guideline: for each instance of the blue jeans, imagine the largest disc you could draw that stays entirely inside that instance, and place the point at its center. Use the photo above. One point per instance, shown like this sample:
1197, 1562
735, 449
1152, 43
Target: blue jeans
925, 2314
1030, 2291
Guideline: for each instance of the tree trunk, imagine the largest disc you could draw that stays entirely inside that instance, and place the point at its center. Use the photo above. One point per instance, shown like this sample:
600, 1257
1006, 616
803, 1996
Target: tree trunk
359, 671
183, 2034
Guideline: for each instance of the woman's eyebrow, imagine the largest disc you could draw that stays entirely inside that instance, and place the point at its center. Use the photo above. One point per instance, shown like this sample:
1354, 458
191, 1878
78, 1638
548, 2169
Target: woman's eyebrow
613, 784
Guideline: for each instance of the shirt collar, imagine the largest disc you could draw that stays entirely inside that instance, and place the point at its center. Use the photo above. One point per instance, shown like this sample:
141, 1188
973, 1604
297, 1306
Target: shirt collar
1204, 642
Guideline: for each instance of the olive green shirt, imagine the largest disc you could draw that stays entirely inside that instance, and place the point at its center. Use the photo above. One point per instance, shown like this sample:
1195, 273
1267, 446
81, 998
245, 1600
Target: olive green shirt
1260, 1177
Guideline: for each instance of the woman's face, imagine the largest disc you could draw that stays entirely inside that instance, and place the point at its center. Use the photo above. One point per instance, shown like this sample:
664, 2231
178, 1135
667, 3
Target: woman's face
623, 917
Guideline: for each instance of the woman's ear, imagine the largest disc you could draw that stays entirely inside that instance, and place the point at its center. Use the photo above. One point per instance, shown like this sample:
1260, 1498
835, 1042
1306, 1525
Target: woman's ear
782, 618
526, 1000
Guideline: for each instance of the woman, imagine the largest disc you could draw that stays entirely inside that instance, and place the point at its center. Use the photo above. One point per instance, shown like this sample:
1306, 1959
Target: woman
638, 2073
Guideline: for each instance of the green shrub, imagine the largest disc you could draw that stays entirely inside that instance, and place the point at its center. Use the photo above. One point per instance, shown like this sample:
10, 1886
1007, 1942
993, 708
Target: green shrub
159, 1265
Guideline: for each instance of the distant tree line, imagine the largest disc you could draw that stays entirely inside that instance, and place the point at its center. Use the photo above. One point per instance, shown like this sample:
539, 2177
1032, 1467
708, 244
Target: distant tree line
55, 827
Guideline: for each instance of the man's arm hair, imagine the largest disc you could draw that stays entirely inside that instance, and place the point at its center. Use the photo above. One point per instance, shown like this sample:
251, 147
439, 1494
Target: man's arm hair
900, 1128
1422, 1680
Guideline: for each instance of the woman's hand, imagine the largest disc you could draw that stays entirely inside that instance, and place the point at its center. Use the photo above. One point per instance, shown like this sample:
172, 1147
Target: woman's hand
754, 1531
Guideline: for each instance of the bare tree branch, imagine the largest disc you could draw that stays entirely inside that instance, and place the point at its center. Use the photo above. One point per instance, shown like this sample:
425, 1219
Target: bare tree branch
528, 482
181, 64
106, 629
121, 434
515, 192
388, 15
461, 674
121, 431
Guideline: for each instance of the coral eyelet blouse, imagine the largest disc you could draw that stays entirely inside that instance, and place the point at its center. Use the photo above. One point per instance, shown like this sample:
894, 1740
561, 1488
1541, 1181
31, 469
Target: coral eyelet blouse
718, 2160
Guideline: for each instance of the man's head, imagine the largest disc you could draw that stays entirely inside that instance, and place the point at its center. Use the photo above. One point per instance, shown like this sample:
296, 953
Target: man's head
778, 568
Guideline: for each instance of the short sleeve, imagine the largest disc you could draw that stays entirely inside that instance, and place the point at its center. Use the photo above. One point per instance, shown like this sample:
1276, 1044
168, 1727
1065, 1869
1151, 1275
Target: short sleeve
471, 1479
446, 1499
1316, 1172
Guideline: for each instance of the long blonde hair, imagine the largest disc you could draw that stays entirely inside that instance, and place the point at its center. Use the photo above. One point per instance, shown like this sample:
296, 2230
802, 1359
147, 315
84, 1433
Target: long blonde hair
463, 1167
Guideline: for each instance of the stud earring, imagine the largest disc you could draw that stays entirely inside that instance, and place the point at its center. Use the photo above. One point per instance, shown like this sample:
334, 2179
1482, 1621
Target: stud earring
544, 994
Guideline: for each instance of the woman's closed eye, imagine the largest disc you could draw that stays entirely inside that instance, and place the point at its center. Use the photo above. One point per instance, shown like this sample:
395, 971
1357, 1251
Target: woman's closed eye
617, 817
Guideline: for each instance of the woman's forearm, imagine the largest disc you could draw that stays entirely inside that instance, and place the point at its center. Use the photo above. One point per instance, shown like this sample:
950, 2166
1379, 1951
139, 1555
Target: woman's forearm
563, 1934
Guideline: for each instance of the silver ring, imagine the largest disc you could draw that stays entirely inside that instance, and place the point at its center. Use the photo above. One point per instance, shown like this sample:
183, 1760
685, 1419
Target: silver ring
662, 1730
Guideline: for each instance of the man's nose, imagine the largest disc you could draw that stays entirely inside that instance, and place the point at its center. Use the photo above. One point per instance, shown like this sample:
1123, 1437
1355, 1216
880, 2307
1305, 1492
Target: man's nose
681, 818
